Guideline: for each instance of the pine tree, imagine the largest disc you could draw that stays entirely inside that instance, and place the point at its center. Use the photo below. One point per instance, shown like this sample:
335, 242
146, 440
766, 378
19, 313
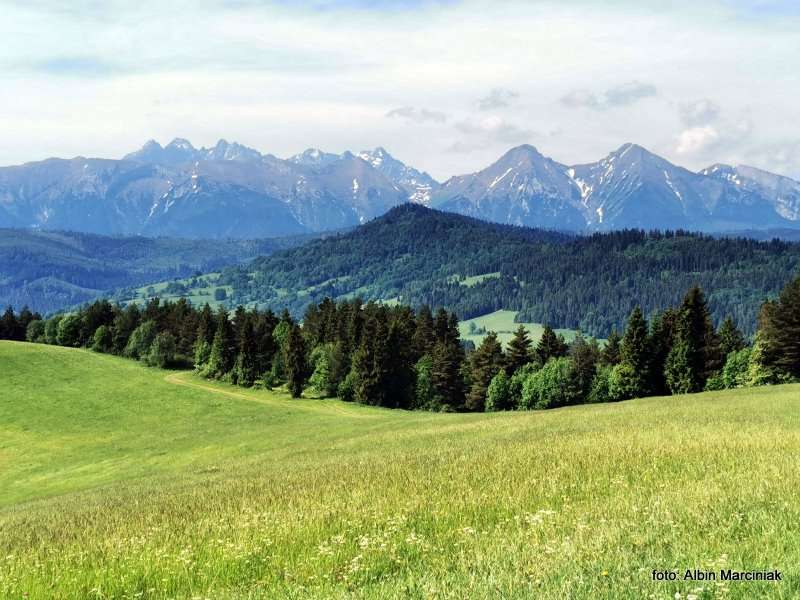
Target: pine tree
424, 336
662, 334
550, 346
585, 356
295, 361
611, 351
245, 369
125, 323
730, 338
485, 363
204, 337
782, 333
441, 326
401, 360
9, 326
266, 347
679, 371
695, 353
518, 353
446, 379
222, 355
634, 356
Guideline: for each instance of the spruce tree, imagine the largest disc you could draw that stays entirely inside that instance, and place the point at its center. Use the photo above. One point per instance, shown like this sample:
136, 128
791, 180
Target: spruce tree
246, 370
550, 346
401, 360
9, 326
730, 338
610, 355
485, 363
518, 353
662, 335
447, 358
222, 355
125, 323
585, 356
782, 333
635, 356
295, 361
679, 371
424, 337
363, 362
695, 353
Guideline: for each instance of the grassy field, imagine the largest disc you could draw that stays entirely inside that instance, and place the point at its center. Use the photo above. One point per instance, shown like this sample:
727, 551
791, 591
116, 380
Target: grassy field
502, 323
118, 481
198, 296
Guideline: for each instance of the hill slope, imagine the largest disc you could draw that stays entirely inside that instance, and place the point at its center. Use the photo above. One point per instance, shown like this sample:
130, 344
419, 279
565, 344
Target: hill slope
419, 255
139, 482
53, 270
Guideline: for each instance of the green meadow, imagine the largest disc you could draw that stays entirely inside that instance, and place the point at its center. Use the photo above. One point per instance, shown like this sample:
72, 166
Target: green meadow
503, 324
119, 481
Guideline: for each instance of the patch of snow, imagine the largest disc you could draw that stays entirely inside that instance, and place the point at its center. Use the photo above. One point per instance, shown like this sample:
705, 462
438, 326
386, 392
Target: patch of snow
500, 178
672, 186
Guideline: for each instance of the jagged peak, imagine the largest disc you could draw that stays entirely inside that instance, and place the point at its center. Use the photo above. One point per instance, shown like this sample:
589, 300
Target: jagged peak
717, 168
181, 144
522, 150
151, 144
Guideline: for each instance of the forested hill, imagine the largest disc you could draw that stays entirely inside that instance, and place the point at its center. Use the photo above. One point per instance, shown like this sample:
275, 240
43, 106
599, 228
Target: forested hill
418, 255
53, 270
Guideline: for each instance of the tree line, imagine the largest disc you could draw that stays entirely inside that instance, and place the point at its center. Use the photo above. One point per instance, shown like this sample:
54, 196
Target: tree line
592, 283
398, 357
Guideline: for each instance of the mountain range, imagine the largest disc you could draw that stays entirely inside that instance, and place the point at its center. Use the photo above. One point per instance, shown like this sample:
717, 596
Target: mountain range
232, 191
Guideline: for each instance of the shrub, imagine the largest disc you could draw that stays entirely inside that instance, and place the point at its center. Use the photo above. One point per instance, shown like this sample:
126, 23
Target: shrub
51, 329
321, 379
36, 331
623, 382
162, 350
103, 339
601, 386
141, 339
552, 386
69, 331
425, 396
347, 388
734, 373
498, 396
517, 381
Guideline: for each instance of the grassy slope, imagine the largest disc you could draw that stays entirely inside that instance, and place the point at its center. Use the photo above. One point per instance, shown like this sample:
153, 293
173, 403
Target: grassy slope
116, 480
502, 323
195, 296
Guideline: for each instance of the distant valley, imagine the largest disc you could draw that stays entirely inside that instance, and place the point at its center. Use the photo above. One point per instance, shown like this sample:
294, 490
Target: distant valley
49, 271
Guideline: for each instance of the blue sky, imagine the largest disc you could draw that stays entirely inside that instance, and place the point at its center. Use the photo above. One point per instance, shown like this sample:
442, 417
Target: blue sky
445, 85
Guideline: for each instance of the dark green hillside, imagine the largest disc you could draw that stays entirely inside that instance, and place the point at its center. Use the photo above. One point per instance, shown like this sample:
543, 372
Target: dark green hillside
52, 270
419, 255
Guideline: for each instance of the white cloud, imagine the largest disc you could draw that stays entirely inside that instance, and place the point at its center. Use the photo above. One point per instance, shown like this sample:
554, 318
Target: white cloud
698, 112
100, 79
417, 115
620, 95
497, 98
696, 139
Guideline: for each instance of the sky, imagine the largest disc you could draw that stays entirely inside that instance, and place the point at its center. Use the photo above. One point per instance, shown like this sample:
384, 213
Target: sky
446, 86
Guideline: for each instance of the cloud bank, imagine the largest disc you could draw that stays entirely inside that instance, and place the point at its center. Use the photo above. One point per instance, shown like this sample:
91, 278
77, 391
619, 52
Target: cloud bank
447, 86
